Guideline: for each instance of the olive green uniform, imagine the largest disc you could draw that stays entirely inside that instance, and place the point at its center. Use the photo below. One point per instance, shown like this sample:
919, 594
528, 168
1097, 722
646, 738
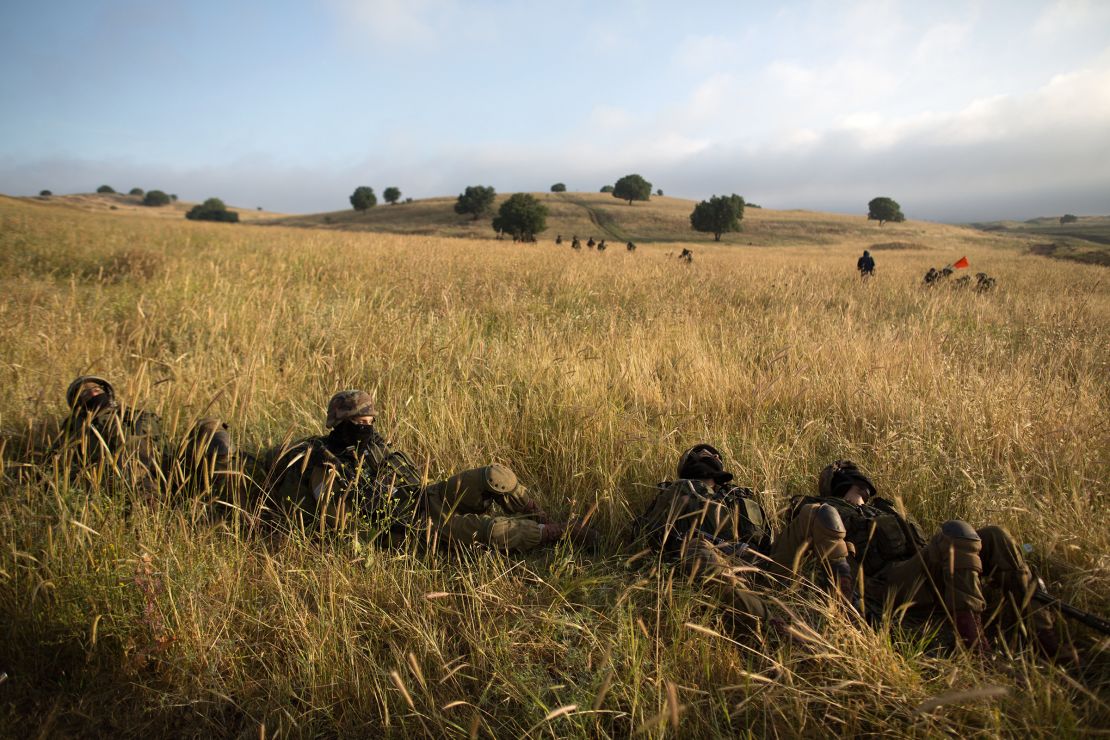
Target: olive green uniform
382, 491
958, 569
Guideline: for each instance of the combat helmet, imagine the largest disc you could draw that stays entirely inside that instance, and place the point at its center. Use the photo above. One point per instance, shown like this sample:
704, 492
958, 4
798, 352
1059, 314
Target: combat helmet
694, 465
348, 404
74, 390
839, 476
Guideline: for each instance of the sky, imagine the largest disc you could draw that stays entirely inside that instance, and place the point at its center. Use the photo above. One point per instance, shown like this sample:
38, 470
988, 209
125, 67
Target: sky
961, 111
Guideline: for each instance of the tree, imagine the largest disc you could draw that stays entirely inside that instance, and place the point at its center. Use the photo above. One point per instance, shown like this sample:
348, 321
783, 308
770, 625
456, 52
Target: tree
632, 187
173, 197
476, 200
606, 188
718, 215
45, 193
558, 188
212, 209
659, 192
392, 195
522, 216
105, 189
135, 191
156, 198
363, 198
884, 209
1068, 218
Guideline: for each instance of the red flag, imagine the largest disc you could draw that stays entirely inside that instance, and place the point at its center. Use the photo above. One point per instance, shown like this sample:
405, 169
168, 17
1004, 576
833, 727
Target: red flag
961, 263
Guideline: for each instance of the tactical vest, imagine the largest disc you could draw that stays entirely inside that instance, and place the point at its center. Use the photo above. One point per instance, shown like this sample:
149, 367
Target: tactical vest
684, 508
382, 485
880, 534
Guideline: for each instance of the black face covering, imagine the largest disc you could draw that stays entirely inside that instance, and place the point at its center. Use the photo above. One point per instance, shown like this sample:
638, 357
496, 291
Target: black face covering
705, 468
96, 403
347, 434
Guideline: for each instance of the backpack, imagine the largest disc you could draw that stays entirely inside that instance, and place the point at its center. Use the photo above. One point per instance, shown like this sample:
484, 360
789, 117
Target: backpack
729, 515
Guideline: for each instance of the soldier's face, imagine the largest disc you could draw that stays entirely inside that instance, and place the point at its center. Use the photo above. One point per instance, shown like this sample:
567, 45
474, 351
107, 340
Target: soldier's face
362, 421
91, 396
856, 495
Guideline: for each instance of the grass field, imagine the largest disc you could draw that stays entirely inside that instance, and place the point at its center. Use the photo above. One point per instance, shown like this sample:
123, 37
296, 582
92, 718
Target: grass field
586, 373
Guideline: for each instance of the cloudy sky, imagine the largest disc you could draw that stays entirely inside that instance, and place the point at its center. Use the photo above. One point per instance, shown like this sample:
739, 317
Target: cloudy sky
959, 110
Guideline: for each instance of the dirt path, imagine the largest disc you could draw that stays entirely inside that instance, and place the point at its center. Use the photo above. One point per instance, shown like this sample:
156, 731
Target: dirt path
602, 221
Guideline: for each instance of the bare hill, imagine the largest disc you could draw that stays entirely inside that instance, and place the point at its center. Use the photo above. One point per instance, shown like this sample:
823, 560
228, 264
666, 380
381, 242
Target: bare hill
132, 205
662, 219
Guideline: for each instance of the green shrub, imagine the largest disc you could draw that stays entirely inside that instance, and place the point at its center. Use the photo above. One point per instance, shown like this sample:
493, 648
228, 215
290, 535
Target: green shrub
212, 209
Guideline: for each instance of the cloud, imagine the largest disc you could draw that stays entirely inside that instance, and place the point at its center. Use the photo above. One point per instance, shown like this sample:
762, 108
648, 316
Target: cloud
398, 22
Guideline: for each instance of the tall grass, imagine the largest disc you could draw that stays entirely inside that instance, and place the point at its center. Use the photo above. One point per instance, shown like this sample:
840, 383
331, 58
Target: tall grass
587, 374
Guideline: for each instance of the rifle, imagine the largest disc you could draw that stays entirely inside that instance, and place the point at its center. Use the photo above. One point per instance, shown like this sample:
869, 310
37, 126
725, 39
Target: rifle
1093, 621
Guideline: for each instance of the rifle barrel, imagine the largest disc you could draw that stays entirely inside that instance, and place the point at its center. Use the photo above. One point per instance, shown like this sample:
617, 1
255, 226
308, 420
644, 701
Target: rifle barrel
1093, 621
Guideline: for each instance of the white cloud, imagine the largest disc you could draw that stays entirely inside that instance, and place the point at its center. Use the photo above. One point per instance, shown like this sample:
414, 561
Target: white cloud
398, 22
1065, 16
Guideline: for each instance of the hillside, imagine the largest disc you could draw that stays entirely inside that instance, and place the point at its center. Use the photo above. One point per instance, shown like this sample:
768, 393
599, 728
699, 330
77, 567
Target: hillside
132, 612
662, 219
131, 205
1084, 240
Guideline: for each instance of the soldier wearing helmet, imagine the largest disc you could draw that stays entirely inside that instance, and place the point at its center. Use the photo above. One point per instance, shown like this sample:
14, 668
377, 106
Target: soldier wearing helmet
352, 476
709, 526
103, 437
960, 571
102, 434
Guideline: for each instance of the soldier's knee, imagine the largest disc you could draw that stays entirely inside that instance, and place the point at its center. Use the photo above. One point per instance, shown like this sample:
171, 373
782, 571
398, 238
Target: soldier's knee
827, 532
957, 546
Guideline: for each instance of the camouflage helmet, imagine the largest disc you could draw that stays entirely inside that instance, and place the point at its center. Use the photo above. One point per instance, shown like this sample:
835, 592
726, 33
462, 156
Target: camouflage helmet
839, 476
692, 464
347, 405
74, 390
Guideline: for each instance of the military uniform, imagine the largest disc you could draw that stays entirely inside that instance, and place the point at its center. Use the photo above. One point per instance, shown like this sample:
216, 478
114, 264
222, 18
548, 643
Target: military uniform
352, 476
105, 438
713, 533
963, 572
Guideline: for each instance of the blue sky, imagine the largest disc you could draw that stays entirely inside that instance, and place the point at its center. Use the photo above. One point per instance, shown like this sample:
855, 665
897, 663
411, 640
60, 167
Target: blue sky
960, 110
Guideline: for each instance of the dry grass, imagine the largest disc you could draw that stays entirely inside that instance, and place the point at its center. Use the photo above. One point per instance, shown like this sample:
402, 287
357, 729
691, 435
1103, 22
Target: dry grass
587, 374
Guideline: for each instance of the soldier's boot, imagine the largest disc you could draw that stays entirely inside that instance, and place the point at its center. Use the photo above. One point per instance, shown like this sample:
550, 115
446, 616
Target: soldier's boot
969, 627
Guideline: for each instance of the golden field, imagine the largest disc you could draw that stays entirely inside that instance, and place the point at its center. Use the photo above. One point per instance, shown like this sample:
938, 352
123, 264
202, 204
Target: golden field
586, 373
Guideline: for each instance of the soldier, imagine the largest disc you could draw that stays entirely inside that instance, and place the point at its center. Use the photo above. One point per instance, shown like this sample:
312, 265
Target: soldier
575, 244
866, 265
590, 243
630, 247
351, 476
711, 528
558, 238
601, 246
687, 255
101, 434
895, 565
983, 282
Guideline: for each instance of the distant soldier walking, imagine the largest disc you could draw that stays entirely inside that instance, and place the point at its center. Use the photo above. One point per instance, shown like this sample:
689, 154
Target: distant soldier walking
866, 265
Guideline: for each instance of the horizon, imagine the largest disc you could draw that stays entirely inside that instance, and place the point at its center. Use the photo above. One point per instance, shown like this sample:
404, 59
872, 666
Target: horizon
961, 112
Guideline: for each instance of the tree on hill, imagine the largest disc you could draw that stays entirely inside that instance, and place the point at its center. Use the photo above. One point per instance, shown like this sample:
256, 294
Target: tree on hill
45, 193
606, 188
212, 209
522, 216
105, 189
476, 200
173, 197
1068, 218
558, 188
632, 187
135, 191
363, 198
718, 215
884, 209
391, 195
156, 198
659, 192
